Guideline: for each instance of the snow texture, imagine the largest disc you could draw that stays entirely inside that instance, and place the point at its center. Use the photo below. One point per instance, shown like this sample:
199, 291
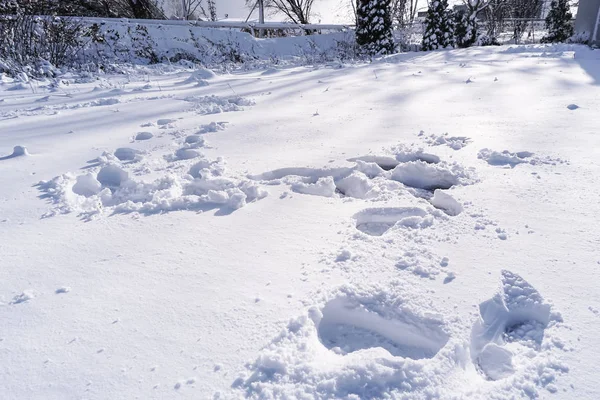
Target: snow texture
160, 268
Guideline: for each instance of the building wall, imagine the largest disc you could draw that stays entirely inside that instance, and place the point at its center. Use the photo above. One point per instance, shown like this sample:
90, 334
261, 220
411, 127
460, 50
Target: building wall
587, 16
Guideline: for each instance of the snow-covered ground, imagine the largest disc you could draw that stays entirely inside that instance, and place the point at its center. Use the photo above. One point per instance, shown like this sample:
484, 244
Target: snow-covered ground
421, 227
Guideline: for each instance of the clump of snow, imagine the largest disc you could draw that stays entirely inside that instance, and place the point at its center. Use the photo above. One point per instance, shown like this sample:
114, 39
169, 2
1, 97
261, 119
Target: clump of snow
343, 256
18, 151
194, 139
356, 185
22, 297
112, 176
102, 102
496, 361
454, 142
187, 153
444, 201
144, 136
200, 77
87, 185
165, 121
370, 169
212, 127
421, 175
404, 153
322, 187
127, 154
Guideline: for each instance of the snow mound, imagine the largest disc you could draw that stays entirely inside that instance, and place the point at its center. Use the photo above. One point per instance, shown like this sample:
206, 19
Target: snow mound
360, 343
445, 202
377, 221
199, 77
204, 73
18, 151
507, 158
420, 175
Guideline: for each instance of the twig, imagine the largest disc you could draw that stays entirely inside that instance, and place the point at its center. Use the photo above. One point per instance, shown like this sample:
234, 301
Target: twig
231, 89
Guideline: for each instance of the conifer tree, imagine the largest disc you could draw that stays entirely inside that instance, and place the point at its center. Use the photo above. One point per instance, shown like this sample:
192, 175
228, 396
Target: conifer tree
465, 29
558, 22
374, 27
439, 26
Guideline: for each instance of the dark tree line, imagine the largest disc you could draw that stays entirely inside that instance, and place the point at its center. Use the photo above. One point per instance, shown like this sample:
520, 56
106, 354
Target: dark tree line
140, 9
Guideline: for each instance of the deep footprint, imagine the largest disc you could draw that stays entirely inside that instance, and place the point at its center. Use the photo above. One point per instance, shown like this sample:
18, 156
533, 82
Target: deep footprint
346, 328
377, 221
518, 313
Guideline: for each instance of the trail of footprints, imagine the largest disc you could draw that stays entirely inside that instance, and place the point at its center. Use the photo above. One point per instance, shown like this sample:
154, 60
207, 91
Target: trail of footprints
507, 338
183, 179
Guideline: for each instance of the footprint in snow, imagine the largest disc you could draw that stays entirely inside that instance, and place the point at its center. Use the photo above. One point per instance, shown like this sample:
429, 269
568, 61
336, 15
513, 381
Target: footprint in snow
517, 313
377, 221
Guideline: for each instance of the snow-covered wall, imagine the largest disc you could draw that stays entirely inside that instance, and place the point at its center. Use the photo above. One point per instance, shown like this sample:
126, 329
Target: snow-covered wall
146, 43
